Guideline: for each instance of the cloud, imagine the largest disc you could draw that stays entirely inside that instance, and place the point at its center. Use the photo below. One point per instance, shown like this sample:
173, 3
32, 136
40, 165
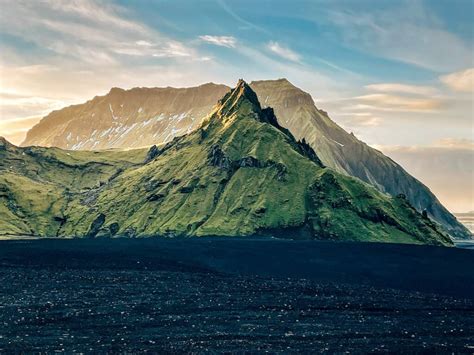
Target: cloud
460, 81
15, 104
172, 49
223, 41
402, 88
87, 31
409, 33
143, 43
455, 143
246, 24
398, 103
283, 52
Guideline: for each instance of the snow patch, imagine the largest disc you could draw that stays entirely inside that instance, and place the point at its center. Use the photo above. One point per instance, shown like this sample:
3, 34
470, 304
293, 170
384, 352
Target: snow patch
147, 122
342, 145
112, 112
105, 132
160, 117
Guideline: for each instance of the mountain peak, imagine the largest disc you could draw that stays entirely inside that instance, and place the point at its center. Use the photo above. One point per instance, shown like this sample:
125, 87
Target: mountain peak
242, 97
244, 92
116, 90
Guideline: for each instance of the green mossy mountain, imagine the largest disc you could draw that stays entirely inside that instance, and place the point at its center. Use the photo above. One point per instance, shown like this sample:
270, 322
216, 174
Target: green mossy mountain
239, 174
143, 117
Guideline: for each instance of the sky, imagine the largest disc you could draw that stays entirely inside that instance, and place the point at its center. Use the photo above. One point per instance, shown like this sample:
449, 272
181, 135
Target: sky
399, 74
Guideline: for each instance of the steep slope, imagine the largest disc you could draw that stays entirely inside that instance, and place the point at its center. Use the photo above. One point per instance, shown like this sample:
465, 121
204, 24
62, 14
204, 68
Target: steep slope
239, 174
348, 155
126, 118
36, 184
140, 117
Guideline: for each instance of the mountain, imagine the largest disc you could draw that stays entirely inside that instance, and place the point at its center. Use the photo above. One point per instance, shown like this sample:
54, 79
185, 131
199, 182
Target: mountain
239, 174
127, 118
141, 117
348, 155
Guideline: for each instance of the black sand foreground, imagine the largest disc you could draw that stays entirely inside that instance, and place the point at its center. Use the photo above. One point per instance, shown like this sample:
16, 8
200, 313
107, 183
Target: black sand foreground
228, 295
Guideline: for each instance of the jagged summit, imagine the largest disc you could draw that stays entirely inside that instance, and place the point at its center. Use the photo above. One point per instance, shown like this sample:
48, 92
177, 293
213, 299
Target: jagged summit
241, 104
240, 97
243, 99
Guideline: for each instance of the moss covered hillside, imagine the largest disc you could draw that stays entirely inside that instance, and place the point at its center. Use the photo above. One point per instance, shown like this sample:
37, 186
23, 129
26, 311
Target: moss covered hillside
239, 174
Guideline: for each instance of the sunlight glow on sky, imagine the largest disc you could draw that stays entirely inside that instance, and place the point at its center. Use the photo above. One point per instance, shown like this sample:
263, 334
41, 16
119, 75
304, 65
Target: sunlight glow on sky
399, 74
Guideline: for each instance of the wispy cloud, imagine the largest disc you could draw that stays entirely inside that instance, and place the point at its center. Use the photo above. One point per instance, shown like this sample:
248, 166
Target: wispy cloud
86, 30
144, 43
223, 41
455, 143
407, 33
460, 81
402, 88
172, 49
245, 24
399, 103
283, 52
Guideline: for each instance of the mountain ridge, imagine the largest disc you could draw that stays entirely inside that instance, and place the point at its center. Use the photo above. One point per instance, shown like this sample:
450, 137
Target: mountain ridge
297, 112
239, 174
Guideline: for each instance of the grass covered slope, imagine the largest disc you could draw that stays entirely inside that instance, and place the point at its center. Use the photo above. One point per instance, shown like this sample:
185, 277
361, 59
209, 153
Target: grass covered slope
239, 174
37, 184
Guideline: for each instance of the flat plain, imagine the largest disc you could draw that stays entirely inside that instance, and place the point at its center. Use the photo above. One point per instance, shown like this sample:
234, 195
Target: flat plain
225, 294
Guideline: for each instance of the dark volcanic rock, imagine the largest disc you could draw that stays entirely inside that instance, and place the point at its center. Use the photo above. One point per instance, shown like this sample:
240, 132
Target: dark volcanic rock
186, 189
96, 225
308, 151
249, 162
153, 152
114, 228
155, 197
154, 184
3, 143
217, 157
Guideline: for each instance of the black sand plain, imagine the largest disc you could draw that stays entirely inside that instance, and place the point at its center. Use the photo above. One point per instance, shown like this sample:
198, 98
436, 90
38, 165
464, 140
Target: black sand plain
234, 295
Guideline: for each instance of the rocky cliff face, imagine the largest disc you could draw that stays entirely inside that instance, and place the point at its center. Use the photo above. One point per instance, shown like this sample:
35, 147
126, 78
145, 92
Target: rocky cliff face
141, 117
126, 118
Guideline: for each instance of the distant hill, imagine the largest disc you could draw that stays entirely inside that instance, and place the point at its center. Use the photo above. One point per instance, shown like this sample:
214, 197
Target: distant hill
239, 174
145, 116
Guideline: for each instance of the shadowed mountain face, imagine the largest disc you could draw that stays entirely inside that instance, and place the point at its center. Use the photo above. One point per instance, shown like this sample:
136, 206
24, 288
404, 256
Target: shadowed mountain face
239, 174
141, 117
